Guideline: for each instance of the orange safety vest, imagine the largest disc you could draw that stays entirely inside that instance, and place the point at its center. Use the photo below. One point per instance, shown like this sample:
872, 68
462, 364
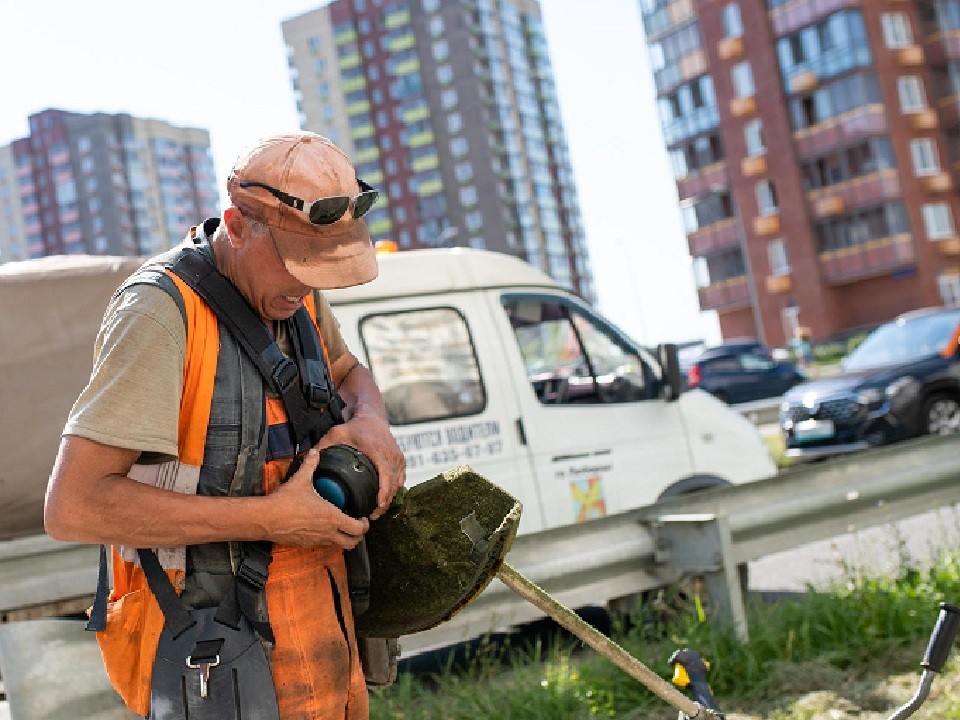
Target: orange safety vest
316, 665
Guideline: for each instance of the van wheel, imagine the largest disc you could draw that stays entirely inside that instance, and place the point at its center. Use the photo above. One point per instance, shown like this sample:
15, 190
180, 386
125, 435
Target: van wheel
941, 414
689, 486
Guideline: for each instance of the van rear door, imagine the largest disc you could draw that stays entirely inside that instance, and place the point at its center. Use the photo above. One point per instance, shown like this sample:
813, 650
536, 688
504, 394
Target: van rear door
601, 439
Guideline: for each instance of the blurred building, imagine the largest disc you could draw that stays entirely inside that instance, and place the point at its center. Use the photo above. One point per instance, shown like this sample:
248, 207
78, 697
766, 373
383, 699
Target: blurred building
450, 109
815, 145
102, 184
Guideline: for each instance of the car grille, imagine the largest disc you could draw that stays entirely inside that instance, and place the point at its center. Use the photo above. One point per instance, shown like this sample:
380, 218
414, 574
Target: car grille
841, 410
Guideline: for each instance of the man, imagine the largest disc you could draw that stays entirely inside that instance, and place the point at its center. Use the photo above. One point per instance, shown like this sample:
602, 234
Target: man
158, 451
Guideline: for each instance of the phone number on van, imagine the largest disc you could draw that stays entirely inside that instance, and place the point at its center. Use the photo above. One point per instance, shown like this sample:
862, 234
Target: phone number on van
451, 445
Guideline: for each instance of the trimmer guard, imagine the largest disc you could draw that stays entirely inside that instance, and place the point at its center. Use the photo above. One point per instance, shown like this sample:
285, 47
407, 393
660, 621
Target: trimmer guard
435, 550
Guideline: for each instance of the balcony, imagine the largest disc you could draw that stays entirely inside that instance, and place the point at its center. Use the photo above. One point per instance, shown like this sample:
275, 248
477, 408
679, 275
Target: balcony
799, 13
829, 205
840, 131
727, 294
911, 56
804, 81
779, 284
693, 64
753, 166
703, 181
866, 260
938, 182
713, 237
924, 120
730, 48
766, 224
864, 190
949, 247
743, 106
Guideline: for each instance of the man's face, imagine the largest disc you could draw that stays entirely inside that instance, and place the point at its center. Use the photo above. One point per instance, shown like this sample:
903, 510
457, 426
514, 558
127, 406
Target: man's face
263, 279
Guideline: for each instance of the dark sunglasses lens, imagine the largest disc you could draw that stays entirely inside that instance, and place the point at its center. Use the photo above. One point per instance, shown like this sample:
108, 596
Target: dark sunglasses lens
364, 202
328, 210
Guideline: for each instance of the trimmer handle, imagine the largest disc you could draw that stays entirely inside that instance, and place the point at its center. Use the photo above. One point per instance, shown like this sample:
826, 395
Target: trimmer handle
690, 670
941, 640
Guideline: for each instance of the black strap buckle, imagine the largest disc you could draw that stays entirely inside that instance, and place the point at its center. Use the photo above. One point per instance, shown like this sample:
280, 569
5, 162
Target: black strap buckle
284, 375
253, 573
318, 396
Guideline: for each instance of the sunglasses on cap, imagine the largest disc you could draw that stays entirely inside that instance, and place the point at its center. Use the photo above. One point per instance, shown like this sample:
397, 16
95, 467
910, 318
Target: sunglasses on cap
324, 211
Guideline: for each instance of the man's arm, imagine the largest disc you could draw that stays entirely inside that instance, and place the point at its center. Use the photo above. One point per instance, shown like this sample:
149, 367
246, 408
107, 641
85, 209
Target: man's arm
367, 428
90, 499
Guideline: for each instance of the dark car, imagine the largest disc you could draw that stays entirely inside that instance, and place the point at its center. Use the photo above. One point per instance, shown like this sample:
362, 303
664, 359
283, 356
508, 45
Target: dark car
741, 371
902, 381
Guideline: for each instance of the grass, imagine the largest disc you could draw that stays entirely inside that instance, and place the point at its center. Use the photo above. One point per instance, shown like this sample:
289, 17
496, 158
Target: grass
808, 657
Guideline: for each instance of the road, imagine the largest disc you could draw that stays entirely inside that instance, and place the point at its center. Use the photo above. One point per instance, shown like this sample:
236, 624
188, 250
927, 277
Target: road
880, 549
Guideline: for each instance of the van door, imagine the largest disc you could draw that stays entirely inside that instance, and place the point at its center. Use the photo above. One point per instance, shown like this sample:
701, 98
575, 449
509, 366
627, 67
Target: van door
440, 370
600, 438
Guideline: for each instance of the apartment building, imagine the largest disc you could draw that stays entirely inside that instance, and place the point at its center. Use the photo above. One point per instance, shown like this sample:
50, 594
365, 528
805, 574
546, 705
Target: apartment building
450, 109
815, 145
102, 184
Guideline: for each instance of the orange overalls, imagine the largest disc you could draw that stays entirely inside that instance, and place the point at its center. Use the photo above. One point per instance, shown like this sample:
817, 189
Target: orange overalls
316, 667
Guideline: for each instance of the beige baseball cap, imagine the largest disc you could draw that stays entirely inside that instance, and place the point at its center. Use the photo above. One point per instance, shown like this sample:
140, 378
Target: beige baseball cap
305, 167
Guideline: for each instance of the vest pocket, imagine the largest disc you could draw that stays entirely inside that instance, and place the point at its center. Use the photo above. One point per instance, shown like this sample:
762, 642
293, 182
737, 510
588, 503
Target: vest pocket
129, 646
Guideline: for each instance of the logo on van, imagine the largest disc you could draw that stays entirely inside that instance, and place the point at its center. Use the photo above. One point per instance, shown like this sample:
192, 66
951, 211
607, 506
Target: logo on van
586, 488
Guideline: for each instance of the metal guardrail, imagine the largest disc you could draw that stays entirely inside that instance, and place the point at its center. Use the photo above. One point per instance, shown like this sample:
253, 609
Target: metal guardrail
711, 532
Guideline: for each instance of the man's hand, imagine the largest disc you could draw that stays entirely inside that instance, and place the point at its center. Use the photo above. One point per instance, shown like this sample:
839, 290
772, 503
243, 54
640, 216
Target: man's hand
370, 434
299, 516
366, 427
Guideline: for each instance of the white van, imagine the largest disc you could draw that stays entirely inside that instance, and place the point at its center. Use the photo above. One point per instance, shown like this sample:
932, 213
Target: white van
483, 360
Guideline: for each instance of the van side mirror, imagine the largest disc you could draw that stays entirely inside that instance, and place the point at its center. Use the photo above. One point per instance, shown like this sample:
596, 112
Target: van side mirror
670, 365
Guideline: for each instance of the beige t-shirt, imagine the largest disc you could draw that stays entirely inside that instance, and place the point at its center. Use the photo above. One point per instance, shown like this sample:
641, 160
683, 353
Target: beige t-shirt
133, 398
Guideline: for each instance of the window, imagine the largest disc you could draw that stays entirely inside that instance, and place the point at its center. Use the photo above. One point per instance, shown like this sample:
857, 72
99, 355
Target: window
463, 171
938, 221
468, 196
458, 147
925, 158
572, 358
912, 98
753, 134
441, 51
732, 25
949, 285
777, 255
436, 26
742, 80
425, 365
896, 30
688, 211
448, 98
454, 123
767, 198
444, 74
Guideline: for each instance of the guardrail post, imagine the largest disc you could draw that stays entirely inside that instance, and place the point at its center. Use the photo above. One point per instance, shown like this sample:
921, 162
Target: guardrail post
700, 543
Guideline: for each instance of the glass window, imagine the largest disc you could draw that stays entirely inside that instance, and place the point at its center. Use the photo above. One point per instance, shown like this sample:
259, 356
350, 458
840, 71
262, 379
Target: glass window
444, 74
424, 363
896, 30
938, 221
925, 158
949, 286
454, 123
777, 254
912, 98
753, 134
756, 362
571, 358
441, 51
742, 80
468, 196
436, 26
767, 198
732, 25
458, 147
448, 98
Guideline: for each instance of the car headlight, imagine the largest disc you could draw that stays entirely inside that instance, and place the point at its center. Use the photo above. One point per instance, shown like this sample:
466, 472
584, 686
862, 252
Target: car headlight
870, 396
899, 385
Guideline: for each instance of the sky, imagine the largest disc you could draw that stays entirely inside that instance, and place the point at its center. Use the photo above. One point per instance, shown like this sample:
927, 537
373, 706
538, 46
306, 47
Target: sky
221, 65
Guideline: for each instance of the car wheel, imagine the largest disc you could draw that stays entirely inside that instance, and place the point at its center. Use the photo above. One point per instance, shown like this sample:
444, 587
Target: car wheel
941, 414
